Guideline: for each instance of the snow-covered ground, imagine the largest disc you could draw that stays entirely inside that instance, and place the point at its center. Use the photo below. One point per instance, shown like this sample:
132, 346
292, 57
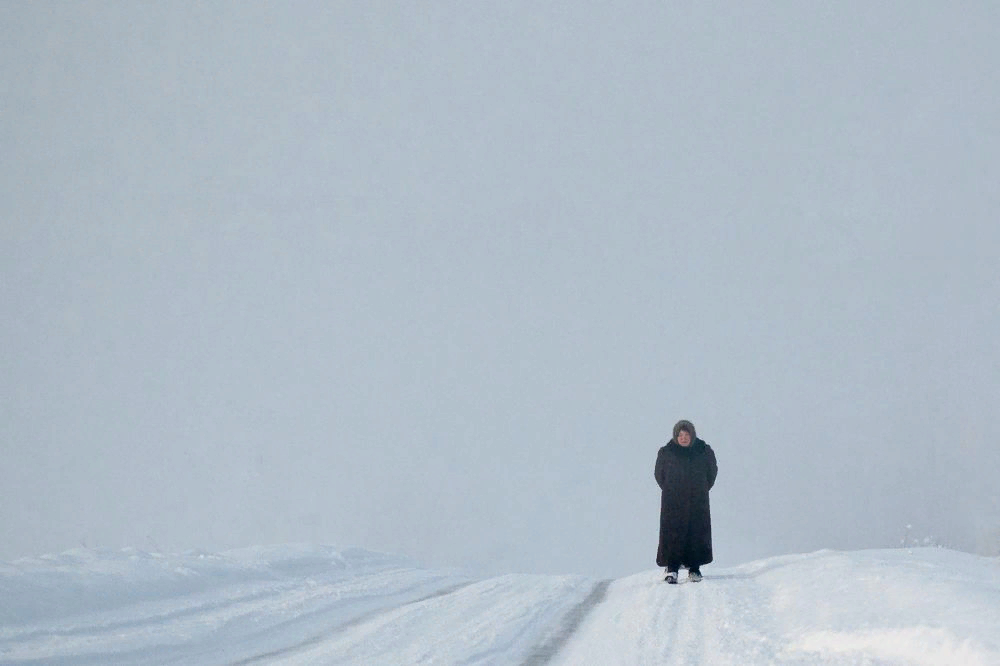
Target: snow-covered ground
299, 604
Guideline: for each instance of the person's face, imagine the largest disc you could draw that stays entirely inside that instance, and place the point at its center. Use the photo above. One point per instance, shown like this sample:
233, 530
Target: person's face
684, 438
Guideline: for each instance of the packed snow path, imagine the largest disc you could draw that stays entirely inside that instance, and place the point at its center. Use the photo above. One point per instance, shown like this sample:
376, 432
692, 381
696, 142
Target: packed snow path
314, 605
872, 607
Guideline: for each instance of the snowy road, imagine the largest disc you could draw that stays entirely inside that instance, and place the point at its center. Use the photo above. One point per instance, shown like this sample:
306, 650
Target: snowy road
314, 605
870, 607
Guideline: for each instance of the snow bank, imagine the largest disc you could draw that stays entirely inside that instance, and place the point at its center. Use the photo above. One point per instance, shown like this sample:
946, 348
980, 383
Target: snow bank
87, 580
129, 606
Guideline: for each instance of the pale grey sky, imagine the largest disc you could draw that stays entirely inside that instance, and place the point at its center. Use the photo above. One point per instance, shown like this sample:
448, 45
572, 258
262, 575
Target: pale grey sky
438, 278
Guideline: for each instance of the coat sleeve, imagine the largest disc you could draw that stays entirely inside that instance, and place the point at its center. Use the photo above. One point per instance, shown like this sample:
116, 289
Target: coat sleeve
658, 471
713, 467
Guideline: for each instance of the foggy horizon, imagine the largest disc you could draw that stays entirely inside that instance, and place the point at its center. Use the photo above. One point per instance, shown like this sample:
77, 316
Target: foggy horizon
440, 280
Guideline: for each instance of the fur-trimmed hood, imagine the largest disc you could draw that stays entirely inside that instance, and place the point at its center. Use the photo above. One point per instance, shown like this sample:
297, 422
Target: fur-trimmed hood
685, 425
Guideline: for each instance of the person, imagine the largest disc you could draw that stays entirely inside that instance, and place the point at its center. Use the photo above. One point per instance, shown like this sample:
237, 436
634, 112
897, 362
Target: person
685, 471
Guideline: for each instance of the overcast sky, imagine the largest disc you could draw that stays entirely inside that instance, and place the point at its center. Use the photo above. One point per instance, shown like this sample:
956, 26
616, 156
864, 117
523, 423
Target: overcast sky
438, 278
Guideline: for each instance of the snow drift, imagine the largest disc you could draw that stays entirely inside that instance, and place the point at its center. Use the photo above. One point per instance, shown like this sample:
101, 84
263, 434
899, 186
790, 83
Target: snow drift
299, 604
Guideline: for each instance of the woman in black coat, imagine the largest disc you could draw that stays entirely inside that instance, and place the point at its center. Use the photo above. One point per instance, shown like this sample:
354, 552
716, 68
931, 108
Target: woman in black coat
685, 471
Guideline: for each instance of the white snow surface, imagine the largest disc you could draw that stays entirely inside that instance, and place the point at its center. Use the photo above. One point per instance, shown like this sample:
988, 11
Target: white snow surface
302, 604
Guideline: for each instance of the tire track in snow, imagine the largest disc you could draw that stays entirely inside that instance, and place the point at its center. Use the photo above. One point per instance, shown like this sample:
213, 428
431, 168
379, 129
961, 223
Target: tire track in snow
688, 645
673, 606
543, 653
319, 638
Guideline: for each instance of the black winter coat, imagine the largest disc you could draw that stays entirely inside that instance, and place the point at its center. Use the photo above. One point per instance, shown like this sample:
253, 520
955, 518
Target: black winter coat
685, 475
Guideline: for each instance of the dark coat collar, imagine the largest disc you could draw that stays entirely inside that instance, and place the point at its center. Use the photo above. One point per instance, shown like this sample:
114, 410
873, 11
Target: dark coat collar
697, 446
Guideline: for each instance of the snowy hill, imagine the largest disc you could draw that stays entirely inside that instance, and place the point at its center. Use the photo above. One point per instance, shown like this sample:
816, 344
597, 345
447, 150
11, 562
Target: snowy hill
315, 605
